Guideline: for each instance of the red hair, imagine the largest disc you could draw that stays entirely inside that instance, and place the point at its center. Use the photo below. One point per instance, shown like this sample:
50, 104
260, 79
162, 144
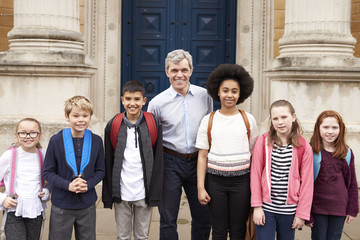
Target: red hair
316, 141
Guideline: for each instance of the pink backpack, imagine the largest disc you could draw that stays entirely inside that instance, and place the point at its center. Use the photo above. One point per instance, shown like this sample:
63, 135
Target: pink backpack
13, 169
13, 165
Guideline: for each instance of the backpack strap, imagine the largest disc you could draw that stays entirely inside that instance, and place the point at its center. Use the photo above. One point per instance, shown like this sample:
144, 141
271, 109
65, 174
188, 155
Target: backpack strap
13, 167
246, 121
13, 170
150, 122
348, 156
115, 128
211, 118
116, 123
301, 150
41, 163
317, 162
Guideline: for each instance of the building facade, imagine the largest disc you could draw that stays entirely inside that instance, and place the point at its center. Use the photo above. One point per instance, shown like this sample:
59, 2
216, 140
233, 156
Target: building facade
299, 50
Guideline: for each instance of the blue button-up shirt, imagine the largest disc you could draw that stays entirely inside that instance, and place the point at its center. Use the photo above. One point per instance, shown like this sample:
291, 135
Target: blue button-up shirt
181, 116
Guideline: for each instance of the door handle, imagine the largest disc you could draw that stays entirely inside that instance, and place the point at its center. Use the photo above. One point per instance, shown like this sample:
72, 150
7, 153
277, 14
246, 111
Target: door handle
149, 87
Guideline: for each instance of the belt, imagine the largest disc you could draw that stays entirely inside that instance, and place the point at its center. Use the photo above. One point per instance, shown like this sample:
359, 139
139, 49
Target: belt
183, 155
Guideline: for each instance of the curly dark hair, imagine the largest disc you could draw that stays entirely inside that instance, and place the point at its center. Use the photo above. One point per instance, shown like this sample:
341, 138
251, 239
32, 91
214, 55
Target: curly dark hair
233, 72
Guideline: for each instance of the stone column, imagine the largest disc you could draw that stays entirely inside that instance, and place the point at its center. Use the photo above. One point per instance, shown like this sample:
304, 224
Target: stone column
49, 25
46, 65
316, 69
317, 27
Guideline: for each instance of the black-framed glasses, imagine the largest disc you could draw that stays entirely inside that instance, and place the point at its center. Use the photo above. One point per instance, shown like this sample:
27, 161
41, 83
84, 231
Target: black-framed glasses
25, 134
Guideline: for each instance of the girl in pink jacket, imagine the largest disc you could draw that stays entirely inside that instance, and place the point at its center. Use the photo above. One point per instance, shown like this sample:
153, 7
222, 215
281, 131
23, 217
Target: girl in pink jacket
281, 176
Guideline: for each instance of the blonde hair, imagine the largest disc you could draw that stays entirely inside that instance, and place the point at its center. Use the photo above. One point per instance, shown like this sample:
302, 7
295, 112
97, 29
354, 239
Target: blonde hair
38, 145
80, 102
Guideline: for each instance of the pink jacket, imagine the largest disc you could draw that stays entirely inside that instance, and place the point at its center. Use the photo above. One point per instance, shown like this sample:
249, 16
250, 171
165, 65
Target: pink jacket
301, 179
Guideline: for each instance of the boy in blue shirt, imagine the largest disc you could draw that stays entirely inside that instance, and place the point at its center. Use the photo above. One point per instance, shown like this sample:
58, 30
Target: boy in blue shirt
74, 164
134, 165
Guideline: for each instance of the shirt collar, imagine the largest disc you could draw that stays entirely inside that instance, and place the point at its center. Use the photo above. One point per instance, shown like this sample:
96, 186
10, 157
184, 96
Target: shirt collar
130, 124
174, 93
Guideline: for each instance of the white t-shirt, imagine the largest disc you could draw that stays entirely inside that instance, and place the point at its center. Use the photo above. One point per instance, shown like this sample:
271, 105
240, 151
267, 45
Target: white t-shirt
28, 183
132, 175
230, 149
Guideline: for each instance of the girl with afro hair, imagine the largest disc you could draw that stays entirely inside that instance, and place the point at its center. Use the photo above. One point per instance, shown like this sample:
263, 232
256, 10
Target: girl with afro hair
223, 170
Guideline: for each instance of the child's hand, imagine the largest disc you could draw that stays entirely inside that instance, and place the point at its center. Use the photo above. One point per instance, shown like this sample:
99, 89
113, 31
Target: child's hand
78, 185
259, 216
41, 194
9, 202
44, 194
82, 187
298, 223
310, 224
349, 218
203, 197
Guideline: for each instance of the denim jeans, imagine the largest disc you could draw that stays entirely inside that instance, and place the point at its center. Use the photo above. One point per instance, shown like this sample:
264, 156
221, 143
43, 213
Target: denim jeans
327, 227
279, 223
181, 173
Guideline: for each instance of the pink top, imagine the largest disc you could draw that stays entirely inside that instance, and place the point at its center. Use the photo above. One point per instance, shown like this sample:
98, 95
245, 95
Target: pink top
300, 188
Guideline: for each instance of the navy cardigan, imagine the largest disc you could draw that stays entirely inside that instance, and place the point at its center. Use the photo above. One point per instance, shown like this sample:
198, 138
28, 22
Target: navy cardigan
57, 172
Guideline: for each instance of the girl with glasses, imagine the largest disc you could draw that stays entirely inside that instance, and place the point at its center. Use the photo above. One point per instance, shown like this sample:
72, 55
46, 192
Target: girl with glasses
24, 197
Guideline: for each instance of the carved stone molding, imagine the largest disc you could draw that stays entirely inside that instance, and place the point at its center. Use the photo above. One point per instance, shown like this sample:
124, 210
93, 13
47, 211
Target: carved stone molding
317, 27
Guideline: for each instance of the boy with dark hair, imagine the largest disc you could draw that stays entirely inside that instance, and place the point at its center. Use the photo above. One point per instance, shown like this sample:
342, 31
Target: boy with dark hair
133, 164
74, 164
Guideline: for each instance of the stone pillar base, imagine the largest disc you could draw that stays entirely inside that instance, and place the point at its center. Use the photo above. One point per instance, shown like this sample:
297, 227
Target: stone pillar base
43, 57
315, 84
312, 62
39, 90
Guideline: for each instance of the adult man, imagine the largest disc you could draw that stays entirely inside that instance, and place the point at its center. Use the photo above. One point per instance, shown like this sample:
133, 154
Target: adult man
180, 109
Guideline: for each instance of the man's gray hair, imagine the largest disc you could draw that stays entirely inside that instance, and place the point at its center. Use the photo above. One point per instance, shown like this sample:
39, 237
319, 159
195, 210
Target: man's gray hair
176, 56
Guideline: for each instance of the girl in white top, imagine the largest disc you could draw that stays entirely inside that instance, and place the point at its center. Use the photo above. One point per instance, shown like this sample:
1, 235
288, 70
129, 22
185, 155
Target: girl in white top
225, 162
25, 207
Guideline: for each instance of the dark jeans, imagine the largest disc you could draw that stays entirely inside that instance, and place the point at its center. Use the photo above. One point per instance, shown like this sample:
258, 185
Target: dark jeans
327, 227
180, 172
279, 223
19, 228
229, 205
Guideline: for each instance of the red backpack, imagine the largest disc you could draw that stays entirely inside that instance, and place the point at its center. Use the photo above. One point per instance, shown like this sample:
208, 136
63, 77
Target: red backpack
115, 127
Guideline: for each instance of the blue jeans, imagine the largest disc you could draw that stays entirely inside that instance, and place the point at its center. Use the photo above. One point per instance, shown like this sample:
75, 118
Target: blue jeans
279, 223
180, 172
327, 227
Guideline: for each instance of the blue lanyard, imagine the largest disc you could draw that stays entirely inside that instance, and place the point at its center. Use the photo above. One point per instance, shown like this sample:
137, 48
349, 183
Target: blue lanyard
70, 152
